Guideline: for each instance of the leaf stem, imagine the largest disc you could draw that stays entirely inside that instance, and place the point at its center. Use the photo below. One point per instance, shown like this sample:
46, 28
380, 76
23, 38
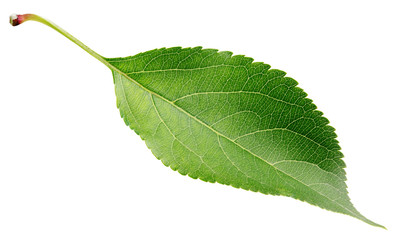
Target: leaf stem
16, 19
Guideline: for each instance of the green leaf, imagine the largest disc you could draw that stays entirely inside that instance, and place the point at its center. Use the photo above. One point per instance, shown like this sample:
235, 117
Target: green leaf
227, 119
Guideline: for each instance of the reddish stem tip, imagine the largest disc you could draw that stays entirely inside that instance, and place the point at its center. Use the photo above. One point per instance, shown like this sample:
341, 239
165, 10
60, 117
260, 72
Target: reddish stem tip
16, 19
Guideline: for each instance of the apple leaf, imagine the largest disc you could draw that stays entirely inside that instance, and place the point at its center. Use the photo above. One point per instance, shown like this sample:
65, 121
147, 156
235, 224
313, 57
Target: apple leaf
223, 118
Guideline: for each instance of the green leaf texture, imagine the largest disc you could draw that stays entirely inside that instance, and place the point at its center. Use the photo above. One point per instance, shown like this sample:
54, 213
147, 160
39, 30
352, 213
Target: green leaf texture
227, 119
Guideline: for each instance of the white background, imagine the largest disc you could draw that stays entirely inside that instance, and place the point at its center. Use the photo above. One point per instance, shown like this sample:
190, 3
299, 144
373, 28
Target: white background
71, 169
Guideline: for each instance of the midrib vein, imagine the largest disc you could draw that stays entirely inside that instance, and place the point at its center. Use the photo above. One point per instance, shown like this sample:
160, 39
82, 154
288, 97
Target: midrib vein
218, 133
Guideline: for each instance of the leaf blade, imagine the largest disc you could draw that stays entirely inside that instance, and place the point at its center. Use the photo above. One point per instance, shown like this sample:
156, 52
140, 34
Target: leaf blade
178, 94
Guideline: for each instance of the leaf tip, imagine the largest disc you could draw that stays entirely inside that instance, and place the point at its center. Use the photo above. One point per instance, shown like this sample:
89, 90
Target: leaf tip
366, 220
380, 226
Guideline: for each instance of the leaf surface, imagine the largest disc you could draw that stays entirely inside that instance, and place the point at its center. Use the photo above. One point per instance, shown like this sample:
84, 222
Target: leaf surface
227, 119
